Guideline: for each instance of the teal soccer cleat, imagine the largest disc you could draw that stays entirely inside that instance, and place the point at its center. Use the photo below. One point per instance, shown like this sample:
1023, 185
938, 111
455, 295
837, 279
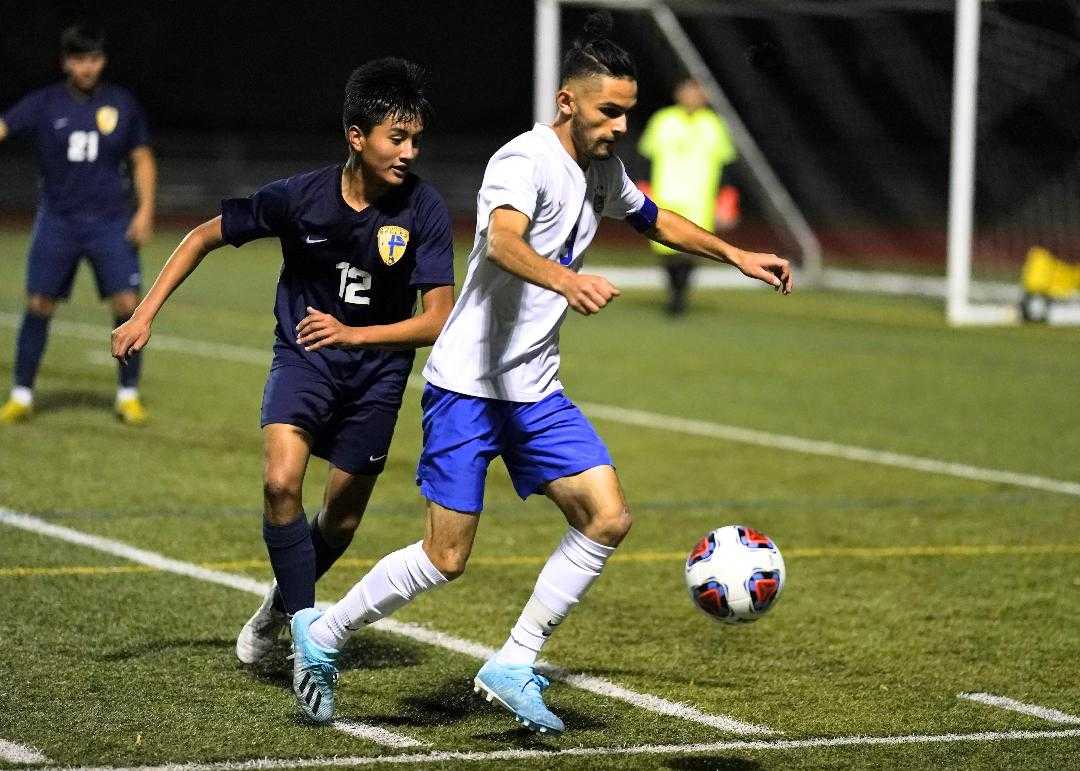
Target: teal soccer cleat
518, 689
314, 670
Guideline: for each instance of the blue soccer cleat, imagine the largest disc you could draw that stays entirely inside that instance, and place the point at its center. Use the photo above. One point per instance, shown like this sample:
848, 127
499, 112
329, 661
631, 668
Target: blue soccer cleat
315, 671
518, 689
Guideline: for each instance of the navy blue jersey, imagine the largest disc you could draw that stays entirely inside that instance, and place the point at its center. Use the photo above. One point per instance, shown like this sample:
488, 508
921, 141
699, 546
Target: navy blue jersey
82, 143
363, 268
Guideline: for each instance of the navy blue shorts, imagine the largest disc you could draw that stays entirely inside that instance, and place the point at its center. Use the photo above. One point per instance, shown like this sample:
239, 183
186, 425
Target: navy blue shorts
539, 442
59, 241
351, 420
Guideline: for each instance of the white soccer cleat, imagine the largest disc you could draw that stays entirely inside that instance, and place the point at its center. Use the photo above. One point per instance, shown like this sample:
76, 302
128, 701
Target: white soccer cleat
261, 631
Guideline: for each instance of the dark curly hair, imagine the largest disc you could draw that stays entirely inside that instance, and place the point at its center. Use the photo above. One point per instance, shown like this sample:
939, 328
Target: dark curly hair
594, 53
82, 38
386, 88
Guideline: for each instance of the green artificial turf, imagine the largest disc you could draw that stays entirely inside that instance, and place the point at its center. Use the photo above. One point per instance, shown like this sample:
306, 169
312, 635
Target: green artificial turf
129, 667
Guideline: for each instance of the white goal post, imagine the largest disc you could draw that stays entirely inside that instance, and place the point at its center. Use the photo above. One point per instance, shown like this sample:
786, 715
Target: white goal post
959, 309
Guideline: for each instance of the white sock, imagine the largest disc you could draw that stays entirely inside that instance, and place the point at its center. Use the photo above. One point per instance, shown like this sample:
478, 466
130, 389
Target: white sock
124, 393
567, 575
395, 580
22, 395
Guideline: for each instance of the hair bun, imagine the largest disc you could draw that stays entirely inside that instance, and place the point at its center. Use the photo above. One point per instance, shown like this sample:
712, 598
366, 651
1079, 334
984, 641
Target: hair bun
597, 26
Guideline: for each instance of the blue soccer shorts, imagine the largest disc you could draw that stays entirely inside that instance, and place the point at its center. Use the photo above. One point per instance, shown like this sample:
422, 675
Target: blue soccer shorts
539, 442
350, 419
58, 242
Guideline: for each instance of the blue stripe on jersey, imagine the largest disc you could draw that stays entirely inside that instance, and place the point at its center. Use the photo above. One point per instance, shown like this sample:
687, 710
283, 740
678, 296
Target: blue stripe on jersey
644, 219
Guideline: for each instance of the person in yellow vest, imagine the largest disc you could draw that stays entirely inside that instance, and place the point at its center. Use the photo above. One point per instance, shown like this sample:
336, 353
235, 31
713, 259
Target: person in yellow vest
688, 145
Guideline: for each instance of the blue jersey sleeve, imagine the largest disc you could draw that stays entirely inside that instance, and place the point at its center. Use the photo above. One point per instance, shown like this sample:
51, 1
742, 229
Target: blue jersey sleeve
435, 243
260, 215
25, 113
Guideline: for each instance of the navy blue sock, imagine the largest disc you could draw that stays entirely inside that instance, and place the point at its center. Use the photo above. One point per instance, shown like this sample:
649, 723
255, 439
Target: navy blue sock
293, 559
29, 348
129, 372
325, 556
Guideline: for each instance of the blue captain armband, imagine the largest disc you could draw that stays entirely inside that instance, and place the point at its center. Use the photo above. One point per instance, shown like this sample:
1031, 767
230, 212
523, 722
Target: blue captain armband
644, 219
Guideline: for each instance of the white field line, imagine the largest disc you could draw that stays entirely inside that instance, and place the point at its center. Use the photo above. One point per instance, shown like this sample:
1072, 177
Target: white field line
742, 745
235, 353
99, 333
586, 682
596, 685
10, 752
829, 449
1046, 713
375, 734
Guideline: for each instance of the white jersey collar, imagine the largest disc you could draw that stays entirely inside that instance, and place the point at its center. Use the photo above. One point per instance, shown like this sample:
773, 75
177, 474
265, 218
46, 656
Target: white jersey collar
547, 133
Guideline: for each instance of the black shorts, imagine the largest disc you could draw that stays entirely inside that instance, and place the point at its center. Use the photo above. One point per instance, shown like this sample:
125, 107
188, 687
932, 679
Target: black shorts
351, 420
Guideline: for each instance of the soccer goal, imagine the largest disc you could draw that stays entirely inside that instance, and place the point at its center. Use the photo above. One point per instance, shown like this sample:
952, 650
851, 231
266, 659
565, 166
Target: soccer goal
916, 148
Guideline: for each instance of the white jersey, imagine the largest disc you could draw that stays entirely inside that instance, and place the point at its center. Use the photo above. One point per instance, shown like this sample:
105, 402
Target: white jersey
502, 338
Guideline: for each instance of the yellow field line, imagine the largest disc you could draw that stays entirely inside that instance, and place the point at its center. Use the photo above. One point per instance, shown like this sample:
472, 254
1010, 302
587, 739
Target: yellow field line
73, 570
870, 552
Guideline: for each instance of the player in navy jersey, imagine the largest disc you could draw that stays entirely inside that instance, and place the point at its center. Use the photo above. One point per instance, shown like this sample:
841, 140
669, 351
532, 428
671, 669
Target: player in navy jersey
87, 135
359, 241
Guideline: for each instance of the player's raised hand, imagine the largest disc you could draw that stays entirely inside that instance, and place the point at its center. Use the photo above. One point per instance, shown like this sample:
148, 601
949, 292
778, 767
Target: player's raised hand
588, 294
773, 270
141, 228
129, 338
321, 330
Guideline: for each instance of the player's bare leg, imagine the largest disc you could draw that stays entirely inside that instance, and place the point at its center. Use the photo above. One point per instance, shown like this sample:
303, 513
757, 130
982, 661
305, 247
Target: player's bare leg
593, 504
344, 502
29, 348
288, 540
599, 519
129, 407
448, 538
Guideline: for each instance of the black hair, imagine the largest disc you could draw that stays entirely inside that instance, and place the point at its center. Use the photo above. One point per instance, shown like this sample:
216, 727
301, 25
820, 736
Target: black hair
593, 53
386, 88
82, 39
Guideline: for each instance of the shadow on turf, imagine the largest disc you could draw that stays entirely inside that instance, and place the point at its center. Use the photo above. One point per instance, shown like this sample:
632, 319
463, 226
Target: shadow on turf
71, 399
368, 652
451, 702
160, 646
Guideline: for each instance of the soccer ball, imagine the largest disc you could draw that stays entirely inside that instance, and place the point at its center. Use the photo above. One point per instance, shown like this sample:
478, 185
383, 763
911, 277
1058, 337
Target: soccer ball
735, 574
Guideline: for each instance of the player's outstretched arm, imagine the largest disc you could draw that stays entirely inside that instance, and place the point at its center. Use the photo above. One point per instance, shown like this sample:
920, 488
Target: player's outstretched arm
133, 335
321, 330
508, 249
144, 174
683, 235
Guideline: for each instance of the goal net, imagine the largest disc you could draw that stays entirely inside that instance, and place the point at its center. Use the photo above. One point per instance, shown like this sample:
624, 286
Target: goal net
849, 117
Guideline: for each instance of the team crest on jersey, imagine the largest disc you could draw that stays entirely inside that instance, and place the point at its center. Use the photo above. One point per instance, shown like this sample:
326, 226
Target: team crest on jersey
393, 241
107, 118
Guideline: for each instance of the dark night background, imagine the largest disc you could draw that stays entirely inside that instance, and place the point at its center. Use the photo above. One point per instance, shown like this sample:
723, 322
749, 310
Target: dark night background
851, 104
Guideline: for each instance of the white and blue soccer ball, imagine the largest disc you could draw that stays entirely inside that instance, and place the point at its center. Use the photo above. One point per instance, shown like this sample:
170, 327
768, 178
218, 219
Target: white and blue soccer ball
735, 574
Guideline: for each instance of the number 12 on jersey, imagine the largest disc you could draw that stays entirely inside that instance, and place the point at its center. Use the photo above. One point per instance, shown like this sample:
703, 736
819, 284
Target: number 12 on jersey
349, 291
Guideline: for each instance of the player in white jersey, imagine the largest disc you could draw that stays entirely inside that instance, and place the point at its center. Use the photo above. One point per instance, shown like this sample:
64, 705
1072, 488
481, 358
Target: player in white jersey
494, 387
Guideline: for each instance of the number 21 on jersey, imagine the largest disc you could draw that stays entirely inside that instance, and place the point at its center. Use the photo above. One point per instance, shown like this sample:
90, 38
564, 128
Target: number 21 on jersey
82, 146
349, 291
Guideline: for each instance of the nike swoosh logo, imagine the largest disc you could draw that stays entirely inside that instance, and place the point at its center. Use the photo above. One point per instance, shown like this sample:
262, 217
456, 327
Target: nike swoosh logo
313, 240
373, 459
